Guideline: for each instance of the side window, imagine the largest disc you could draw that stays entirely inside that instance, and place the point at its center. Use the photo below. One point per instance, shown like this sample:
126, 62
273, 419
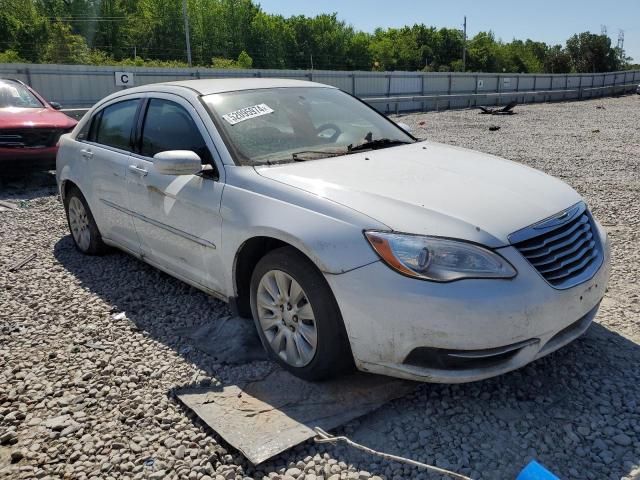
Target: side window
84, 133
168, 126
114, 124
88, 132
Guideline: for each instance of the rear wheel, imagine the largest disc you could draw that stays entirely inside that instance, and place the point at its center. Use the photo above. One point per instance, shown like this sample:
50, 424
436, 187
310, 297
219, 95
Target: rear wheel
297, 317
82, 225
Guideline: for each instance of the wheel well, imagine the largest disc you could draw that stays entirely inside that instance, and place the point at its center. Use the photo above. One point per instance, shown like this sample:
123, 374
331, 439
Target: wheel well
247, 258
66, 186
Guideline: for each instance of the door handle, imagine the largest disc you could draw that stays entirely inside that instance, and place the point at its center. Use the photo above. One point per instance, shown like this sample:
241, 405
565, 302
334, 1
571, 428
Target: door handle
86, 153
137, 170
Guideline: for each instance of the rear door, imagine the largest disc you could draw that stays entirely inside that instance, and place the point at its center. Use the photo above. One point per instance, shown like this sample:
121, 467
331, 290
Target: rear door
177, 216
105, 148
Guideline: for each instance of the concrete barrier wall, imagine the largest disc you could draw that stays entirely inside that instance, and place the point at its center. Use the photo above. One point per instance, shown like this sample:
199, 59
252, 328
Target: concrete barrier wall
80, 86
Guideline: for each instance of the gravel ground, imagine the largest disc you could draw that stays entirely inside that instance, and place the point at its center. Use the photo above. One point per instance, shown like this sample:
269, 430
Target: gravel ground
87, 393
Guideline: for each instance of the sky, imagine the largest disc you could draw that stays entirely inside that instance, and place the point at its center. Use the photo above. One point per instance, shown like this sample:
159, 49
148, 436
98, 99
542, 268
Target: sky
543, 20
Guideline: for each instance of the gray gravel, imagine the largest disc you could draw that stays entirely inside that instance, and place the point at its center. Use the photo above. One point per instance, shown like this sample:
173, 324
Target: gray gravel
86, 392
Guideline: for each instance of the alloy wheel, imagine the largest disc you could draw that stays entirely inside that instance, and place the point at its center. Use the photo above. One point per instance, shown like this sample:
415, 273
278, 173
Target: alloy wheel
286, 318
79, 223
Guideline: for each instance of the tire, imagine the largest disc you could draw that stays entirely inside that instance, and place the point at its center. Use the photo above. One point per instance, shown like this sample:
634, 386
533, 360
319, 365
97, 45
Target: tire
331, 354
82, 225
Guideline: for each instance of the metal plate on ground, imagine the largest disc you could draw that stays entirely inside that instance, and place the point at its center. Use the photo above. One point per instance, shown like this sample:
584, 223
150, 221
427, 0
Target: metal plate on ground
265, 417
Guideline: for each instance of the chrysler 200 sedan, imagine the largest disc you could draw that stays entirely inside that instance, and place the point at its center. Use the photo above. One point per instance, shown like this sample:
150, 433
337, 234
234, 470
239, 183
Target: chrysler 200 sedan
346, 239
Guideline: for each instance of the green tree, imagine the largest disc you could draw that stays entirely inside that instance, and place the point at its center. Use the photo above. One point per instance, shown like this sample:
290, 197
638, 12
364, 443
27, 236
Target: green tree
484, 54
557, 60
324, 39
383, 49
64, 46
145, 32
358, 56
22, 29
272, 40
244, 60
592, 53
448, 49
524, 57
157, 30
11, 56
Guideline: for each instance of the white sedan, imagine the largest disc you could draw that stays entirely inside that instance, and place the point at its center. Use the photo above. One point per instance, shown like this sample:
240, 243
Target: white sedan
348, 241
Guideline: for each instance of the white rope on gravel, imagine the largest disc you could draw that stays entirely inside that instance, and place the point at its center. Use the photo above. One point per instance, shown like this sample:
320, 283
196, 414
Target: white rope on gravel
324, 437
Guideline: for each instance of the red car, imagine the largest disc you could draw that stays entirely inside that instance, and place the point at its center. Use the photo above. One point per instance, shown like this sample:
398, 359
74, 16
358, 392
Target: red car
29, 128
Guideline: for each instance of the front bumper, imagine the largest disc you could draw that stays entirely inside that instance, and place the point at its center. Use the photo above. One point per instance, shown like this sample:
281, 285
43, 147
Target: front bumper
389, 318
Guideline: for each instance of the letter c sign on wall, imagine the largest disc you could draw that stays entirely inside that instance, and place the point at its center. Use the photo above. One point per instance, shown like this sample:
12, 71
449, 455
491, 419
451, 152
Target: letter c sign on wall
124, 79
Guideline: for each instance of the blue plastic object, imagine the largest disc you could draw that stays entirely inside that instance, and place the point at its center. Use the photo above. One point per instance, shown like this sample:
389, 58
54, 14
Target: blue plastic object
535, 471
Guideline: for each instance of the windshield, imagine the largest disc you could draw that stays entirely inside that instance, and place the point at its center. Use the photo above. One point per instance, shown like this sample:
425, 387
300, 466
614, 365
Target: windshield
12, 94
278, 125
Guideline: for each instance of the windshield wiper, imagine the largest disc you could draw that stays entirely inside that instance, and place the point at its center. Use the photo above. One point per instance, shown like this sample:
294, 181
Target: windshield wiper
373, 144
304, 155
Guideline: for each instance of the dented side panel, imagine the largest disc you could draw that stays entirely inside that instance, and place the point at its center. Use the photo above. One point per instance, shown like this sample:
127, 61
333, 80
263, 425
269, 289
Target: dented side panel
178, 221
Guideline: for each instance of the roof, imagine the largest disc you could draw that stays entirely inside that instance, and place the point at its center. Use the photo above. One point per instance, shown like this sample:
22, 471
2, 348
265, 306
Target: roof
219, 85
11, 80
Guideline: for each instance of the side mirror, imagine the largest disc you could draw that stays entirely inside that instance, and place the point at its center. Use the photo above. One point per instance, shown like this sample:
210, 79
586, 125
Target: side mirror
404, 127
177, 162
55, 105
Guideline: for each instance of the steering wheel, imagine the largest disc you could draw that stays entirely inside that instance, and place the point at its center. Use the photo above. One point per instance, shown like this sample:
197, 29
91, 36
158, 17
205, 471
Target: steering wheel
329, 126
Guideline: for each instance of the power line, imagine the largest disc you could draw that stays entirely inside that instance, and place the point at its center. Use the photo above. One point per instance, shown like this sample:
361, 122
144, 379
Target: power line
71, 17
93, 21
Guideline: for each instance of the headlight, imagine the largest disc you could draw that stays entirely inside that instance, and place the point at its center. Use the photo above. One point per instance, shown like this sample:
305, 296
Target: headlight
438, 259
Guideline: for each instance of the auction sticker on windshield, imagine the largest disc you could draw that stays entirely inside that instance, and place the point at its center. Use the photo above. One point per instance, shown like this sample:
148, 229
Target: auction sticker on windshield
247, 113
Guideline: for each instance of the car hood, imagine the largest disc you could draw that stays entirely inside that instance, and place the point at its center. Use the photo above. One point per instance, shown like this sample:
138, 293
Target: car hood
433, 189
34, 117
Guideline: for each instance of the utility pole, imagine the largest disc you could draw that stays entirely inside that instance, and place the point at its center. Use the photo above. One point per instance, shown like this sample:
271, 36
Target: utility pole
464, 46
186, 30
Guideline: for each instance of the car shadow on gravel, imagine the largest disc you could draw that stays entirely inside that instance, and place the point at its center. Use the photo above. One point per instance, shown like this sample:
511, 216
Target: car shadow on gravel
576, 411
27, 185
154, 303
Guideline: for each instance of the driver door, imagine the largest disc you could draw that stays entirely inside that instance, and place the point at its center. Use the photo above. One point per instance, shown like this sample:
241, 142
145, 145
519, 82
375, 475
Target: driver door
177, 217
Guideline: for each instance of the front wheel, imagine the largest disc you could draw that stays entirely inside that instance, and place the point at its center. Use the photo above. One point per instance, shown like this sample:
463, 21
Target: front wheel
297, 316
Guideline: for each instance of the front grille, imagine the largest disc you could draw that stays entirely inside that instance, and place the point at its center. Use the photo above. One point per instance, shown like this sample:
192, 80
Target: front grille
29, 137
564, 249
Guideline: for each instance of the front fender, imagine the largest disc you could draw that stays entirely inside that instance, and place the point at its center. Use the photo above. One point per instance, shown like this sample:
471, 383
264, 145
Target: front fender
327, 233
